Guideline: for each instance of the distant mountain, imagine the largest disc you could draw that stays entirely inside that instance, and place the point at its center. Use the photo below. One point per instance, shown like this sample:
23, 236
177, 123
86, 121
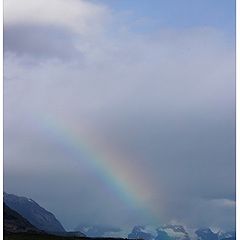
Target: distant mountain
206, 234
140, 232
97, 230
178, 232
13, 222
166, 232
35, 214
226, 235
162, 235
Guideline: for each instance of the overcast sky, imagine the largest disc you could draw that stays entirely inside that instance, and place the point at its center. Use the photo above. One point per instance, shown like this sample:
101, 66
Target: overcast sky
151, 84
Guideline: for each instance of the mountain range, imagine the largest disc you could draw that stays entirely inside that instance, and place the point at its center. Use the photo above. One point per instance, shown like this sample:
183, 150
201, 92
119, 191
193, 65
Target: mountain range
165, 232
178, 232
24, 214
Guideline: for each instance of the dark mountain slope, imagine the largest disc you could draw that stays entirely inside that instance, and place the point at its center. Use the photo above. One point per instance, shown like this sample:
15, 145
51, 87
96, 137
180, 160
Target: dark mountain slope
35, 214
13, 222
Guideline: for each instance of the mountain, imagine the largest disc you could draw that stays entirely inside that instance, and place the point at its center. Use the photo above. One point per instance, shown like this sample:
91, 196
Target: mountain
226, 235
34, 213
140, 232
17, 227
98, 230
166, 232
178, 232
162, 235
13, 222
206, 234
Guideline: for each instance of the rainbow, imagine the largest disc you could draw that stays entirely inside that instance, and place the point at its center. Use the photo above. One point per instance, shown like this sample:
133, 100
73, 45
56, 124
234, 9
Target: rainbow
124, 180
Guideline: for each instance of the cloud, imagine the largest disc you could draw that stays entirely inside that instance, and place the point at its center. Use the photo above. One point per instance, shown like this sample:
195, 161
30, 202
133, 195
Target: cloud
50, 29
225, 202
165, 100
78, 16
40, 42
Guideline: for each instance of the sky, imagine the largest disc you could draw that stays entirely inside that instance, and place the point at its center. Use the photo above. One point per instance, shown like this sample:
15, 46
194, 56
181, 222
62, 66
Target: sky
122, 112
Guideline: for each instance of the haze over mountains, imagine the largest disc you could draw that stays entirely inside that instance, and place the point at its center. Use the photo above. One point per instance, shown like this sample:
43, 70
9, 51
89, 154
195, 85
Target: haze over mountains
24, 214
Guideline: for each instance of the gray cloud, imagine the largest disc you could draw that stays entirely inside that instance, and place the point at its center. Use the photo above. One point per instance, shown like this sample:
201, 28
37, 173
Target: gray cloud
39, 41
